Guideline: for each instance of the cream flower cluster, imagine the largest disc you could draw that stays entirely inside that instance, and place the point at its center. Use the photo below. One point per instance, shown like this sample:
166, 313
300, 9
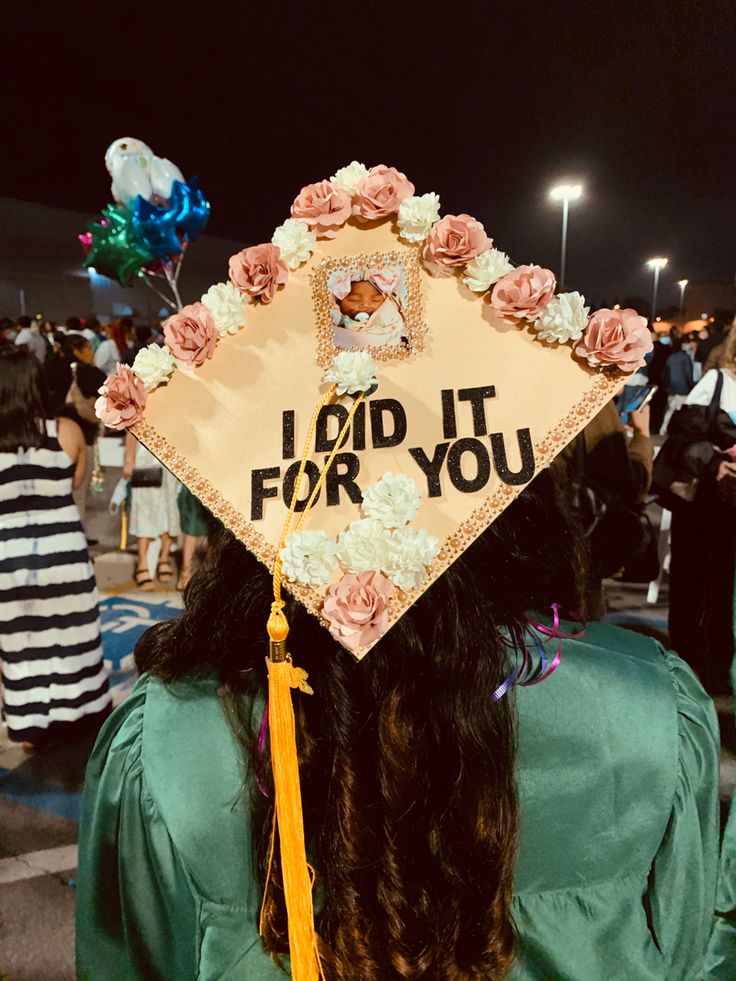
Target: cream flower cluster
296, 241
379, 542
309, 557
352, 372
154, 365
563, 319
227, 307
417, 214
486, 269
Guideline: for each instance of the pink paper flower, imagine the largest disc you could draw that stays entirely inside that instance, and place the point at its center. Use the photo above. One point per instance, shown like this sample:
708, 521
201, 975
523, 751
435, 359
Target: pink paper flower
381, 192
356, 608
191, 334
615, 337
523, 293
323, 206
122, 399
258, 271
455, 240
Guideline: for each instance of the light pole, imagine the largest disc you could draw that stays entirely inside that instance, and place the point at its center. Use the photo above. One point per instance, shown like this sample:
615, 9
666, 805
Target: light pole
682, 283
656, 264
564, 194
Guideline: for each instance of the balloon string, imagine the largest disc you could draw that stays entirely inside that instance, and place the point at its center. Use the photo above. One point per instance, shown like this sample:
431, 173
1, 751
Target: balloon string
145, 277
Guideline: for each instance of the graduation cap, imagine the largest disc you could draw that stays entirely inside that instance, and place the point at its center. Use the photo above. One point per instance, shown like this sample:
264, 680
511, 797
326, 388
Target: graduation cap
357, 402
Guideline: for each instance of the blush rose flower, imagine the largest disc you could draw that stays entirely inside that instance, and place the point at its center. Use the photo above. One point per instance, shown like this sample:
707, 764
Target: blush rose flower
191, 334
455, 240
523, 293
356, 608
122, 399
381, 192
259, 271
323, 206
615, 337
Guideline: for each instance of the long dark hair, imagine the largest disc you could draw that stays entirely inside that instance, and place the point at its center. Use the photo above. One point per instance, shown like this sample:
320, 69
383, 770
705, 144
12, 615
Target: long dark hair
23, 401
407, 765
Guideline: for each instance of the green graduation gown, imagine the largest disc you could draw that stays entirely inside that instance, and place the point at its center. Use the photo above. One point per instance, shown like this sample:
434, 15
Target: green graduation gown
618, 778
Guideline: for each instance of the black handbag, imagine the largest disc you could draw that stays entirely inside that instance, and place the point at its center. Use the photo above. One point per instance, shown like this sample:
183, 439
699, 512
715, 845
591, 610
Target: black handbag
694, 435
623, 542
147, 477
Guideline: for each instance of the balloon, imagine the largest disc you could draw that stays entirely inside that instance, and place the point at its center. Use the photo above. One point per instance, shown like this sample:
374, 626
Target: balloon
154, 228
129, 180
163, 173
128, 148
193, 209
113, 251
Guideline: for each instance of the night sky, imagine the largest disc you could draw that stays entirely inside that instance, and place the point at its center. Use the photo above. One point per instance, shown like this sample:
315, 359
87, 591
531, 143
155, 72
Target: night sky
485, 103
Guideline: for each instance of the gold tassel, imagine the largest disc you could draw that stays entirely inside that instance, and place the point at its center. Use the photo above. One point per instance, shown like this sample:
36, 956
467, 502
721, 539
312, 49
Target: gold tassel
282, 677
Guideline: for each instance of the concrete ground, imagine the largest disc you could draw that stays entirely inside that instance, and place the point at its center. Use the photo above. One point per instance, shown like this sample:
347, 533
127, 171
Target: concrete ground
40, 794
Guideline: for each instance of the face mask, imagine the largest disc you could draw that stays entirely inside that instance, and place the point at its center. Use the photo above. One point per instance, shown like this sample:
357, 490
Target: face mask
664, 340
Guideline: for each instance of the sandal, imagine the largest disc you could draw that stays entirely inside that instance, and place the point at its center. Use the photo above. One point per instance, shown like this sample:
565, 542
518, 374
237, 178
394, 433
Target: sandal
183, 581
164, 572
143, 580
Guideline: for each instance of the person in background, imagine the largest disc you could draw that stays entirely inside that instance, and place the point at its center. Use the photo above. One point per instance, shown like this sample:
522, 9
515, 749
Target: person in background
74, 383
154, 512
142, 335
677, 377
617, 468
7, 331
193, 519
115, 347
703, 551
716, 355
29, 336
716, 336
93, 331
51, 663
658, 405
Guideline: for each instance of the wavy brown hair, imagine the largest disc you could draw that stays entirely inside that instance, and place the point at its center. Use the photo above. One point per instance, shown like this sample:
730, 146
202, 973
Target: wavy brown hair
407, 765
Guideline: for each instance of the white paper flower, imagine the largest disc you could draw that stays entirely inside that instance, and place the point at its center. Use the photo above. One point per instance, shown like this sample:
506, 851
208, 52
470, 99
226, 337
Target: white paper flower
409, 554
393, 500
309, 557
153, 365
563, 319
348, 178
486, 269
363, 546
296, 241
353, 372
225, 302
417, 215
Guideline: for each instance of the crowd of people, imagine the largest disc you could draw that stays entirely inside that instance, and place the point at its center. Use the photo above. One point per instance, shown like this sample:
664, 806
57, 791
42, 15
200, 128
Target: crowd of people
50, 650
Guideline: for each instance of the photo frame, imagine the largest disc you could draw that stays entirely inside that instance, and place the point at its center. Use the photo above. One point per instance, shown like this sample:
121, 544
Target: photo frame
369, 301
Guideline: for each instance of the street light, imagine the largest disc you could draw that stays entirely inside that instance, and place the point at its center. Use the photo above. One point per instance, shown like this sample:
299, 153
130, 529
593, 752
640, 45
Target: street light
564, 194
682, 283
656, 264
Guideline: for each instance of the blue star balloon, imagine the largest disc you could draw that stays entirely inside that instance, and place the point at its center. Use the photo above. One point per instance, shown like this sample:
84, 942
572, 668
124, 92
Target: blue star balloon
193, 209
154, 227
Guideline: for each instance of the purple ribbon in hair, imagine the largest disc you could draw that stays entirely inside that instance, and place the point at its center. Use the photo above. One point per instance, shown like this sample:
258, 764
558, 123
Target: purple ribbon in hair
527, 673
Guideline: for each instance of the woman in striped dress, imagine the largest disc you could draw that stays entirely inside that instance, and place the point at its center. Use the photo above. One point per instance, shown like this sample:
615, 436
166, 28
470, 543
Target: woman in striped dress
50, 646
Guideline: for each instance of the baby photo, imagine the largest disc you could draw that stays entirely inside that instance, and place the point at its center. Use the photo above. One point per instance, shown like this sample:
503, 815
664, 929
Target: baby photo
368, 307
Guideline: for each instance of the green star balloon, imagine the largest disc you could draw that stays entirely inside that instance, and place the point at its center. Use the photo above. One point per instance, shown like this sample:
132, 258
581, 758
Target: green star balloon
114, 251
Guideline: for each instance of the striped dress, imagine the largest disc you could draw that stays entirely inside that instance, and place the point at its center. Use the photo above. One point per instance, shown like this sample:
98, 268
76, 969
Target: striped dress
50, 646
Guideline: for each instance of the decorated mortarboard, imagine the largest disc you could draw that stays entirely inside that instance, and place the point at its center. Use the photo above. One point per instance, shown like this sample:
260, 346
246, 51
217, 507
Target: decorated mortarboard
359, 401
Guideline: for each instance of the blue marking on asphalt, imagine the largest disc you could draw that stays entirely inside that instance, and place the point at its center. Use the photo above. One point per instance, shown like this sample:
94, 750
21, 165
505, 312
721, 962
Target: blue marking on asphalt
122, 619
20, 789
